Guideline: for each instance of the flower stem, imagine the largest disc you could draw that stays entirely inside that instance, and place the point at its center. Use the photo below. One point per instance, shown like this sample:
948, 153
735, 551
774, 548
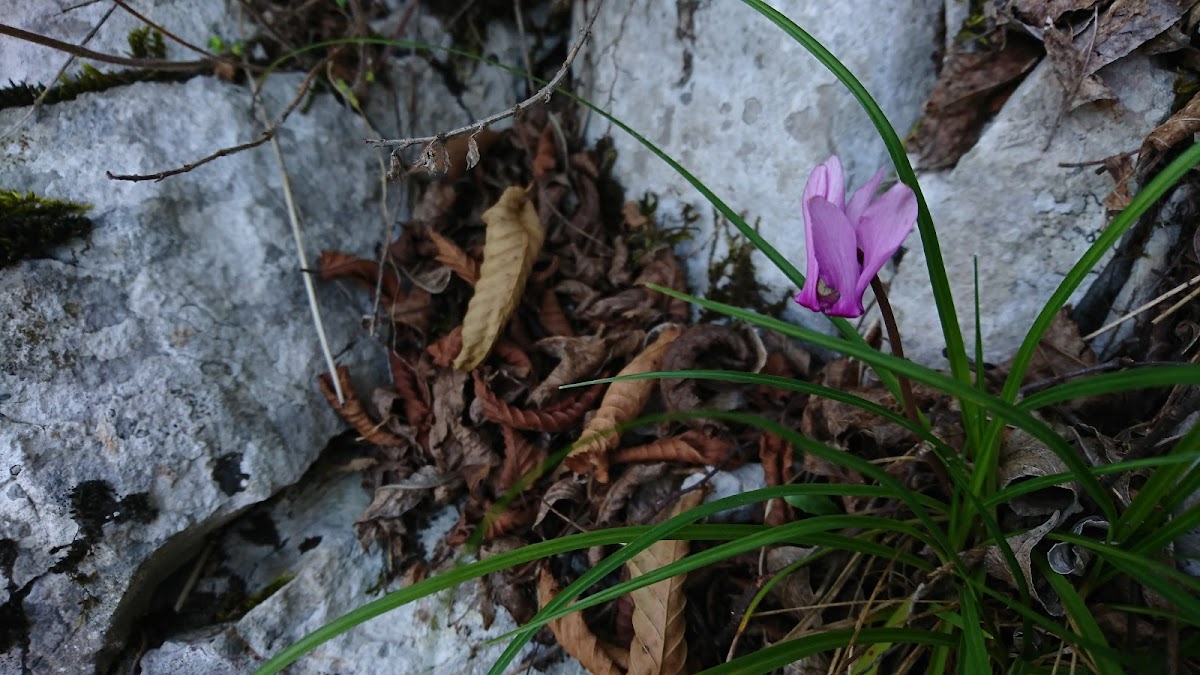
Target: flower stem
906, 393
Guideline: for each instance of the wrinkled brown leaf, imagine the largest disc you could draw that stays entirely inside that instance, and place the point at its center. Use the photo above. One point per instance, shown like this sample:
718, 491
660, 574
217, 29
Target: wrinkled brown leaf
568, 488
624, 487
352, 411
453, 257
709, 347
560, 416
622, 402
1022, 546
552, 317
777, 457
580, 358
573, 634
1023, 457
514, 238
691, 447
659, 642
521, 458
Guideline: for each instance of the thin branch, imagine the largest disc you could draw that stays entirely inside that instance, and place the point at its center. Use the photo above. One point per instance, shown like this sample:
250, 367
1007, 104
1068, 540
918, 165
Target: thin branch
430, 153
41, 99
84, 53
223, 152
1174, 291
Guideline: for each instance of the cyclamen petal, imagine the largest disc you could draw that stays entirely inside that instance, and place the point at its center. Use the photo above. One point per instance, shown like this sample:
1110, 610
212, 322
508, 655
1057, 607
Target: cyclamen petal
836, 233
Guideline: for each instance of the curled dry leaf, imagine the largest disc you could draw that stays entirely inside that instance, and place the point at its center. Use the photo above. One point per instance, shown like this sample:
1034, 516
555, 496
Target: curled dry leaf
558, 417
552, 317
691, 447
659, 644
1022, 546
580, 358
514, 238
456, 259
352, 411
446, 347
521, 459
413, 393
573, 634
709, 347
1067, 558
622, 402
1022, 457
381, 521
623, 489
568, 488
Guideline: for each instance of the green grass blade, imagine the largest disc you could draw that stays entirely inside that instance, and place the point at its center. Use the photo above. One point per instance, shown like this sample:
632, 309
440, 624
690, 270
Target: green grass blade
972, 651
1154, 493
1078, 612
1164, 580
1032, 485
468, 572
967, 392
1148, 377
779, 655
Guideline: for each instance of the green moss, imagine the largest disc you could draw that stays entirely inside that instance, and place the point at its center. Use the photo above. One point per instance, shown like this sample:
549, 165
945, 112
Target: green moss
30, 226
146, 43
732, 279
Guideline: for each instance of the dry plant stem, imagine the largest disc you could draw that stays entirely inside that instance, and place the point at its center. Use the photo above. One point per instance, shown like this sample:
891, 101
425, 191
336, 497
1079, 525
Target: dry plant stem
542, 95
41, 99
1174, 291
84, 53
232, 150
309, 287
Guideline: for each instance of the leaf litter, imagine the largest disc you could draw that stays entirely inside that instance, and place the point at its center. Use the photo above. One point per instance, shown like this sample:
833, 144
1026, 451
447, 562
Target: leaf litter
550, 292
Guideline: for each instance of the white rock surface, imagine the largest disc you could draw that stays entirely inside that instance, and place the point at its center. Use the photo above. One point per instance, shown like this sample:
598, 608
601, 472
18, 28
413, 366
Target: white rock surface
160, 372
1027, 218
332, 575
754, 113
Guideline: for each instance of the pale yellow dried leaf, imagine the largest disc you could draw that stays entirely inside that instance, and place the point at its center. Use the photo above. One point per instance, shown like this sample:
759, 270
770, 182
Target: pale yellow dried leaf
514, 238
573, 635
621, 403
659, 644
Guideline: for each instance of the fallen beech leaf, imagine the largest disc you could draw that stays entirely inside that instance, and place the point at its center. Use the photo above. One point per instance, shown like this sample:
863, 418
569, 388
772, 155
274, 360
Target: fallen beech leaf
521, 458
622, 402
558, 417
573, 634
514, 238
659, 644
453, 257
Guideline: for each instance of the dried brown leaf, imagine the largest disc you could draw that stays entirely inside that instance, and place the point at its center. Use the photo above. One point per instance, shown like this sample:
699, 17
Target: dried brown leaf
457, 152
691, 447
560, 416
514, 238
777, 457
1023, 457
453, 257
624, 487
573, 634
352, 411
580, 358
446, 347
712, 347
969, 90
521, 459
545, 160
1036, 12
1022, 546
568, 488
622, 402
659, 642
552, 317
363, 272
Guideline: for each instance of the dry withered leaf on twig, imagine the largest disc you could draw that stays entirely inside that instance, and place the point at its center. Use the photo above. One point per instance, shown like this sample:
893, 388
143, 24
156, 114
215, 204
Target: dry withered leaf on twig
659, 626
573, 634
622, 402
514, 238
453, 257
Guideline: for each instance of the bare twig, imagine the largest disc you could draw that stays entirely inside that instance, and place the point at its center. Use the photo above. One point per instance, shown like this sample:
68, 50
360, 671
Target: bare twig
84, 53
223, 152
41, 99
435, 146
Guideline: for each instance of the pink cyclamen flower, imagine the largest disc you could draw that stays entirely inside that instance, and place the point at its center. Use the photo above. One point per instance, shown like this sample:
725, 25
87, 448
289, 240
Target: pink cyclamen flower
836, 232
